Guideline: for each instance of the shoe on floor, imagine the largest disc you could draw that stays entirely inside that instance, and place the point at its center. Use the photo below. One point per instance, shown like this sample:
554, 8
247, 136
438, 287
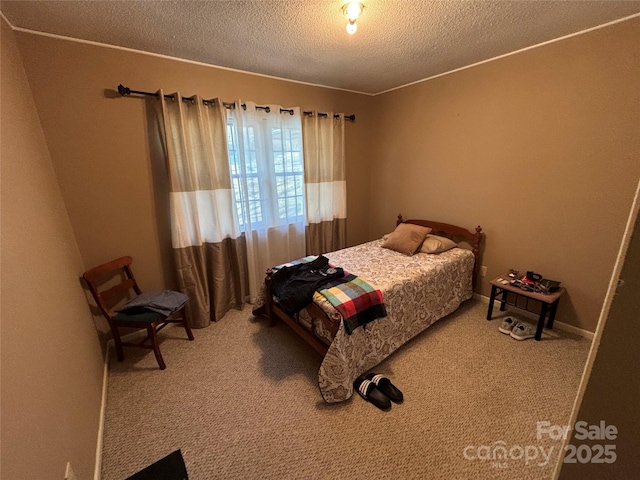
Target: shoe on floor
523, 330
368, 390
507, 325
385, 386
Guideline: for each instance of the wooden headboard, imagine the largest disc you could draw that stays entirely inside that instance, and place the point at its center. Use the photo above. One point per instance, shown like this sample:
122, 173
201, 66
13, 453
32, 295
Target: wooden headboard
454, 233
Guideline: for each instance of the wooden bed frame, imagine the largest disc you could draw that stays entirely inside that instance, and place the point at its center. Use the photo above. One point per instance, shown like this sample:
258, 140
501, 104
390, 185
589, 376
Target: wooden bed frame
273, 311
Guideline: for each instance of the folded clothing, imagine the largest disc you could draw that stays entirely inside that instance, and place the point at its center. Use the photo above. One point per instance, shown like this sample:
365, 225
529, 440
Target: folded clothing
293, 284
357, 300
164, 302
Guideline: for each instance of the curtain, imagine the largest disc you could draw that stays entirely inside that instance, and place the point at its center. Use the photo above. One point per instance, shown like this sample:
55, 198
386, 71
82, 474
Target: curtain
208, 243
325, 182
267, 171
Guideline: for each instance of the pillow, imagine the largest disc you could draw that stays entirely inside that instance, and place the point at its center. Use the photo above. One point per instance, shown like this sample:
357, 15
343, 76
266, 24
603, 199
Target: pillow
406, 238
436, 244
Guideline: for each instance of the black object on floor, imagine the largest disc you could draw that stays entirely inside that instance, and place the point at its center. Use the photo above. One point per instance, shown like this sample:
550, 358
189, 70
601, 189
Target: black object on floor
386, 387
171, 467
368, 390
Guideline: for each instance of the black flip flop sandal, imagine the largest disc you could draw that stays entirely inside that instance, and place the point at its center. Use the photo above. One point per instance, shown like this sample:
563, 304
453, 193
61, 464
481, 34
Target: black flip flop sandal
385, 386
368, 390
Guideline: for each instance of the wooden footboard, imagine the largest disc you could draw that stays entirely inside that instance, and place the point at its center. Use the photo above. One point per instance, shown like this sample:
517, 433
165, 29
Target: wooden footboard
273, 312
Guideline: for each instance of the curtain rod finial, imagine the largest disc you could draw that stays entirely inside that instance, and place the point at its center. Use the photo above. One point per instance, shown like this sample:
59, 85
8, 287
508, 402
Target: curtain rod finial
122, 90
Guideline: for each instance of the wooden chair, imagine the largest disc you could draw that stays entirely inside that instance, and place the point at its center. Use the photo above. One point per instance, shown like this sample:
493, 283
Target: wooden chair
110, 297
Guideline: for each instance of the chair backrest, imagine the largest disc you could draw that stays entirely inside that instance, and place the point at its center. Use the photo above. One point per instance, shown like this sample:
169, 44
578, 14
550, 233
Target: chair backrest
103, 274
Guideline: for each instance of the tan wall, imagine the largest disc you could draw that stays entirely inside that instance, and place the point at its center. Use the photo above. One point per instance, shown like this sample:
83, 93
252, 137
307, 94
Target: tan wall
106, 164
51, 358
540, 148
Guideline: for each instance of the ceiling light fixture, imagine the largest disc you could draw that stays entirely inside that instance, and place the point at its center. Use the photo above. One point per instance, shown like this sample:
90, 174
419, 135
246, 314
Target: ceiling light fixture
352, 10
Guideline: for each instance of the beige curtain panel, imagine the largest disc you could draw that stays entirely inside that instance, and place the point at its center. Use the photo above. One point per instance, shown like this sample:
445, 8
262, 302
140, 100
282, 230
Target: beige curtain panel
209, 247
325, 183
250, 188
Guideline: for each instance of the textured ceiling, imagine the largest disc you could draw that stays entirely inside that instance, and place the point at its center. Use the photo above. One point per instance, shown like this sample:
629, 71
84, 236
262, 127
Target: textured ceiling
398, 41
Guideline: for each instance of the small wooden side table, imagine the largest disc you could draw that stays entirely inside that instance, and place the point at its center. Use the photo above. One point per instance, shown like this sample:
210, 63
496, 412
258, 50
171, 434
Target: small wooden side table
549, 302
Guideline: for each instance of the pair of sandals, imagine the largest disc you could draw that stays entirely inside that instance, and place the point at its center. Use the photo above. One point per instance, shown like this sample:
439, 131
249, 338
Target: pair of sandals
378, 389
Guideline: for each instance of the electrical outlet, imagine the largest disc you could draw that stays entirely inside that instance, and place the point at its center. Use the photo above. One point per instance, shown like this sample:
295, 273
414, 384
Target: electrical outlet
69, 475
483, 271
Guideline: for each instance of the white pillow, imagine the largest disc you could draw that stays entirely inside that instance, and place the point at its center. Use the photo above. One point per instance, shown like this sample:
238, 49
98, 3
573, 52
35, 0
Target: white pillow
437, 244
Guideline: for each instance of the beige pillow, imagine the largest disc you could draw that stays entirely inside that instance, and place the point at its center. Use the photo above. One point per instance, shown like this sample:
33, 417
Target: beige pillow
406, 238
437, 244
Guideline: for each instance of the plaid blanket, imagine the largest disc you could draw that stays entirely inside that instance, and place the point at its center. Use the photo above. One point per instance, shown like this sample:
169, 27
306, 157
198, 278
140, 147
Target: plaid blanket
357, 300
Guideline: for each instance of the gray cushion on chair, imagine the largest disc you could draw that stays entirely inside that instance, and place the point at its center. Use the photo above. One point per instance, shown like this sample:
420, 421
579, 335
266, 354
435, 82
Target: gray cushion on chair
165, 302
144, 316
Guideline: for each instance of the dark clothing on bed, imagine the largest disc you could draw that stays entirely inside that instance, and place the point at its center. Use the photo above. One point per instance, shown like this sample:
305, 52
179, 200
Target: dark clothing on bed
293, 286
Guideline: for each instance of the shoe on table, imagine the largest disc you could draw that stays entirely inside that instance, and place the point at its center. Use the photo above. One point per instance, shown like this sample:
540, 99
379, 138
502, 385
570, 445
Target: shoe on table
507, 325
523, 330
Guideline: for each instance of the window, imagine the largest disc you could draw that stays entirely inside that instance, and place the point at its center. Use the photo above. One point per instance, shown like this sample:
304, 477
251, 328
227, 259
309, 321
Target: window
267, 173
288, 163
251, 208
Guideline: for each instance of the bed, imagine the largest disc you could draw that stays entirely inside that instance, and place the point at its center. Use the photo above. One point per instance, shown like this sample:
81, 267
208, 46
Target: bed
418, 290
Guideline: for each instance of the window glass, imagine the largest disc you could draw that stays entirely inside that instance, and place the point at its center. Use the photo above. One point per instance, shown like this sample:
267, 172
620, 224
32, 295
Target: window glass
268, 186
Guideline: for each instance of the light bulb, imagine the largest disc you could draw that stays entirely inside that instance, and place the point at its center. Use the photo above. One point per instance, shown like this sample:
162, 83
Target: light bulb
352, 27
353, 10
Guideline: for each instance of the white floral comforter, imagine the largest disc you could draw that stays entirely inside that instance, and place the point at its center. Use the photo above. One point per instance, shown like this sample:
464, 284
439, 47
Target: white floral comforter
417, 291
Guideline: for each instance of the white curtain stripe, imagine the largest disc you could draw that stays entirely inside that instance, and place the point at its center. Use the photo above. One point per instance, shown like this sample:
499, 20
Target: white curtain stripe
196, 220
319, 210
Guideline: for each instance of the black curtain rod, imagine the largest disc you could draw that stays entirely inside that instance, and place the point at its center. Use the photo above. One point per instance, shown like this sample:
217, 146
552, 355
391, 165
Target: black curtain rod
125, 91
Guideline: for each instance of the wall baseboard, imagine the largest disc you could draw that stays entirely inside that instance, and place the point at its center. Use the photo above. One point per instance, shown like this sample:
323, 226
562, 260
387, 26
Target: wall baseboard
532, 316
97, 473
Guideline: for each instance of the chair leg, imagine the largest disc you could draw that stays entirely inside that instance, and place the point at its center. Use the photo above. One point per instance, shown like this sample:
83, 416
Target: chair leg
118, 342
185, 323
151, 330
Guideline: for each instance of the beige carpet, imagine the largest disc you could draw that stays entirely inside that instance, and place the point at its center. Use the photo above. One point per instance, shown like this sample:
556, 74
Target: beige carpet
242, 402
